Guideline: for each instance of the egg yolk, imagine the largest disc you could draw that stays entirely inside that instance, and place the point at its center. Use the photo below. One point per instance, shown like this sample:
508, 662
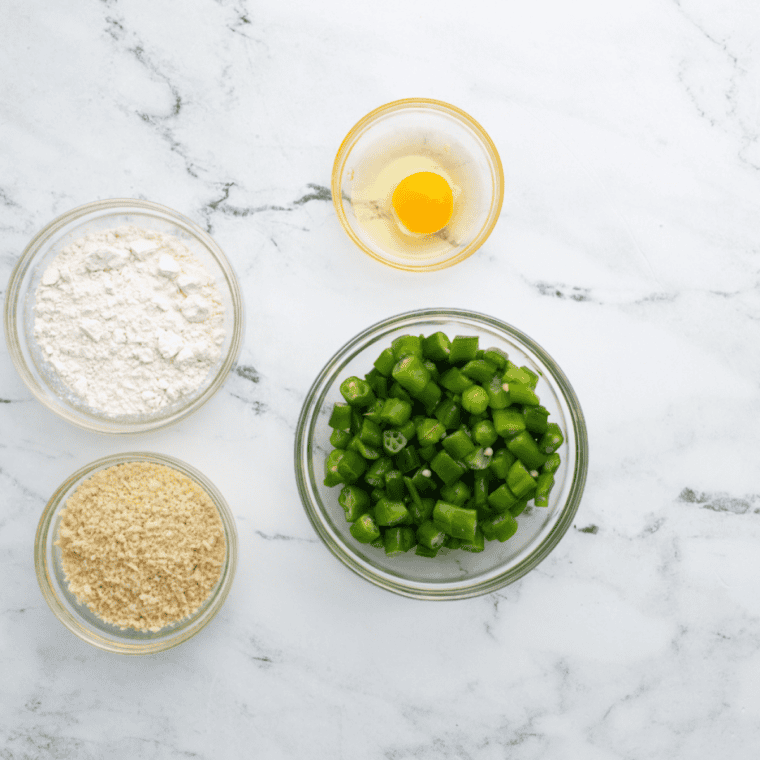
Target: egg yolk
423, 202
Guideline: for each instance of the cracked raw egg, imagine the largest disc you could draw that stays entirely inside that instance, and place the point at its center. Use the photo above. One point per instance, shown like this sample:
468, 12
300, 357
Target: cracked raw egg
423, 202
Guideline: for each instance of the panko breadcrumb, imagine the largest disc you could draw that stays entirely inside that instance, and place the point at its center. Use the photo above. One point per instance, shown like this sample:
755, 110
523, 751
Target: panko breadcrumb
142, 545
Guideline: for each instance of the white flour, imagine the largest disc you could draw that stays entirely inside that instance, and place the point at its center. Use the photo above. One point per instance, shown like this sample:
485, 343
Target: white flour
129, 319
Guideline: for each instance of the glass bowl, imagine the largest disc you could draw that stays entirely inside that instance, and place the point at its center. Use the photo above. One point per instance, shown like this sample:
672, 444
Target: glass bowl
26, 354
399, 139
452, 574
77, 617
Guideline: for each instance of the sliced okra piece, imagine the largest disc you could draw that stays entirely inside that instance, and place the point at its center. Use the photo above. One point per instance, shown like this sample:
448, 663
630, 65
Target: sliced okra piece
357, 392
355, 502
544, 484
519, 480
430, 535
464, 348
340, 419
526, 450
390, 512
365, 529
398, 540
436, 347
411, 374
552, 439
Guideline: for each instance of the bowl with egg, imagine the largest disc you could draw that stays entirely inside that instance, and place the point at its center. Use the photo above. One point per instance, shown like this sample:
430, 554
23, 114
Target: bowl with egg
123, 316
135, 553
450, 571
418, 184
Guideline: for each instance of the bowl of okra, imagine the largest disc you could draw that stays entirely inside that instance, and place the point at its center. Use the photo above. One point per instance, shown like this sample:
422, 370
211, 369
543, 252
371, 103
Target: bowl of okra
441, 454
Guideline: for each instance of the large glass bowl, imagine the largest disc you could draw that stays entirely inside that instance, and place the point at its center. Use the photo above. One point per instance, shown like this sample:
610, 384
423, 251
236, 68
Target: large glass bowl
77, 617
451, 574
398, 139
25, 353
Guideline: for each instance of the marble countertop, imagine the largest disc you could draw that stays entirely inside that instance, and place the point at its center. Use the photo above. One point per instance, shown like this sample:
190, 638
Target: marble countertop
627, 247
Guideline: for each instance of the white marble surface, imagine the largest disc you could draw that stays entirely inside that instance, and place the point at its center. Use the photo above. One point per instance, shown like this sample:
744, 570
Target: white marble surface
628, 247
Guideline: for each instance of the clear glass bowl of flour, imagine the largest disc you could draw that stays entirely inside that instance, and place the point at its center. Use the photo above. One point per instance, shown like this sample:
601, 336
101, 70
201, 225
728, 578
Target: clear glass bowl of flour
169, 266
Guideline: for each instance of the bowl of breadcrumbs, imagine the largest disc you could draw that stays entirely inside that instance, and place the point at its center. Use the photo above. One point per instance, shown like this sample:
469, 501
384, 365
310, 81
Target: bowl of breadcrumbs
135, 553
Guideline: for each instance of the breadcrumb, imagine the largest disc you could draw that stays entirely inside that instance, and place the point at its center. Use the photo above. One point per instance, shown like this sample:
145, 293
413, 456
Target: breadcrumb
142, 545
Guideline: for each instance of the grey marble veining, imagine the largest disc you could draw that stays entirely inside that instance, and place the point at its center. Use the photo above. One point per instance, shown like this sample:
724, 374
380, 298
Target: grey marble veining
627, 247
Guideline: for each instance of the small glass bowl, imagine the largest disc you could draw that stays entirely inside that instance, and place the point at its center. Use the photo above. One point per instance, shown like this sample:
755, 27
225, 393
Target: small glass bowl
77, 617
452, 574
398, 139
45, 246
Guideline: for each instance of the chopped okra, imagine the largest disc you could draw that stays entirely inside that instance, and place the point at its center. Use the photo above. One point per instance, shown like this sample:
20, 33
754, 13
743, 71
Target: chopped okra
440, 447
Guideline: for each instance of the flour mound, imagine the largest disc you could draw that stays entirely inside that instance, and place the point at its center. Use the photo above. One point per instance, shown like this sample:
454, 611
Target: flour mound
129, 320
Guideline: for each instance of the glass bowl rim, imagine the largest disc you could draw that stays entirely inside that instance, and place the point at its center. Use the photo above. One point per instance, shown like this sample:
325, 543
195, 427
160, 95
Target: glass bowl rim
399, 105
13, 332
188, 627
451, 590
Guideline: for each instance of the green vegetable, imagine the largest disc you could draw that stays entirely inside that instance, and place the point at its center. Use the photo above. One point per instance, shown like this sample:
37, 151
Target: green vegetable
411, 374
440, 447
475, 399
340, 419
448, 413
498, 398
389, 512
365, 529
457, 493
458, 444
430, 431
535, 419
525, 448
430, 395
354, 501
393, 441
497, 357
463, 348
430, 535
500, 527
519, 480
508, 422
522, 394
385, 362
394, 484
395, 411
552, 463
436, 347
455, 381
475, 544
501, 462
446, 468
544, 483
479, 370
398, 540
408, 459
357, 392
370, 433
552, 439
484, 433
458, 522
351, 466
376, 474
378, 382
340, 438
407, 345
501, 498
